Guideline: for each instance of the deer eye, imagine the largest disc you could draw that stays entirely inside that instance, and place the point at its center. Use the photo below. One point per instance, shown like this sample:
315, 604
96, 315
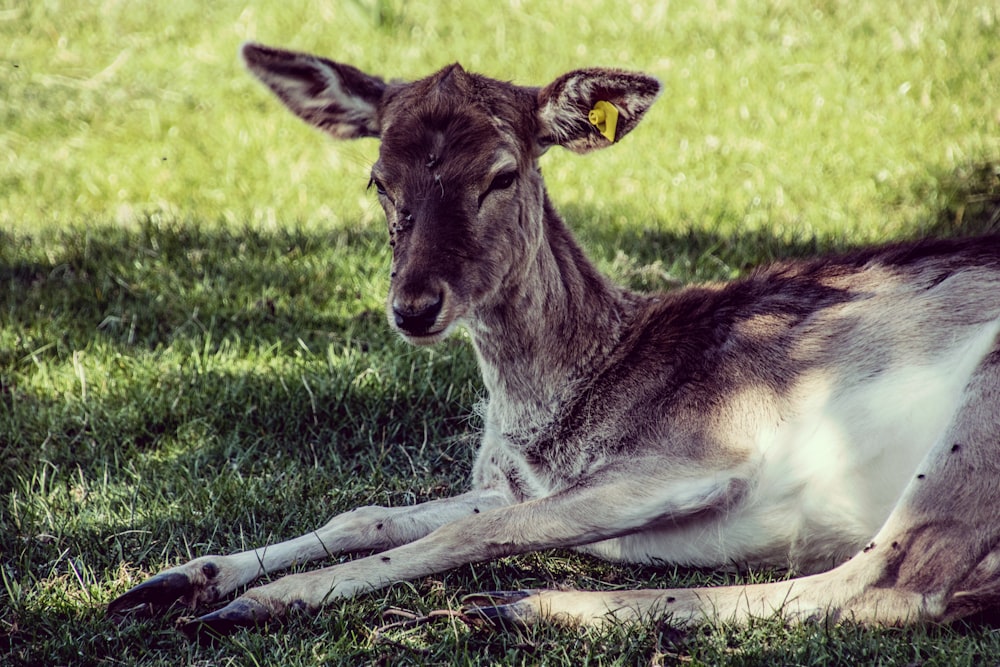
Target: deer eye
379, 188
503, 181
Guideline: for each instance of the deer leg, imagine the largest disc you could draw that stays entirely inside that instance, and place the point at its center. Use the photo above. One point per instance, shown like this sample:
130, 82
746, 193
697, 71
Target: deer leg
937, 557
601, 509
207, 579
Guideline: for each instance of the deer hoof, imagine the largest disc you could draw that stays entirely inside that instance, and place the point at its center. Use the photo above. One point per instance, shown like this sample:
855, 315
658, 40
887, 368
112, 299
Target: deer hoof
154, 594
502, 609
240, 613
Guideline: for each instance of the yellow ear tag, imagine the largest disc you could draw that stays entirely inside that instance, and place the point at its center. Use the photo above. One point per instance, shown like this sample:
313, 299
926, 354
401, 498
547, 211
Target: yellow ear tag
604, 115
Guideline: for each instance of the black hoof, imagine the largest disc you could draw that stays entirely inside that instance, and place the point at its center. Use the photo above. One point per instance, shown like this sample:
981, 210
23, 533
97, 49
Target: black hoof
156, 593
240, 613
499, 608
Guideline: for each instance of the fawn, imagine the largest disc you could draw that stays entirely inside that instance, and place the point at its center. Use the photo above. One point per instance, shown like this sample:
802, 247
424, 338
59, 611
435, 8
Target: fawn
839, 416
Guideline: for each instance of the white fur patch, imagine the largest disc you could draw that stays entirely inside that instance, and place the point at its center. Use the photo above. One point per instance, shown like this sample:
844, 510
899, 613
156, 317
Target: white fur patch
825, 479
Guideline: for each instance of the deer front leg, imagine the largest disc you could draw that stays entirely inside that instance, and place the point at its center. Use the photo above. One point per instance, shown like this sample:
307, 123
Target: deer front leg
601, 509
207, 579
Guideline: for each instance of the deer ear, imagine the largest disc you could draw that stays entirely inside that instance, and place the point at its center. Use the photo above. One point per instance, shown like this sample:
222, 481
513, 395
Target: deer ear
338, 99
565, 107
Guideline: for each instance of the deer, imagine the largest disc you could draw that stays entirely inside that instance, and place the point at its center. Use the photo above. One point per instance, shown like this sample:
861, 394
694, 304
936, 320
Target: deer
836, 416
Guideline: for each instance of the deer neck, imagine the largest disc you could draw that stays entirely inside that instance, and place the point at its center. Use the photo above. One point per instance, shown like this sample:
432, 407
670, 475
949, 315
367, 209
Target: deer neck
556, 324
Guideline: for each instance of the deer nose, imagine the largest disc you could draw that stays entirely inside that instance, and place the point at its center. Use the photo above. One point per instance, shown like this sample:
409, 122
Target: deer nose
418, 317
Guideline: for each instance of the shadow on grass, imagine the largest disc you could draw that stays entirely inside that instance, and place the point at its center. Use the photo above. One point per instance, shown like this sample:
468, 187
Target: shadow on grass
165, 281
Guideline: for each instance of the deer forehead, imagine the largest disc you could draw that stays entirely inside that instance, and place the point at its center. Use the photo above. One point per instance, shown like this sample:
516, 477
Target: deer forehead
461, 126
459, 149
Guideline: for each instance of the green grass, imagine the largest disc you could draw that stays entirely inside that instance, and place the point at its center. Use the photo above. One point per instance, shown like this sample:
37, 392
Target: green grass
193, 355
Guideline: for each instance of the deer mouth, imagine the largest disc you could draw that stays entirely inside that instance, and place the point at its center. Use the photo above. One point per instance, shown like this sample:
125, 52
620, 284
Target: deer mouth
424, 326
430, 336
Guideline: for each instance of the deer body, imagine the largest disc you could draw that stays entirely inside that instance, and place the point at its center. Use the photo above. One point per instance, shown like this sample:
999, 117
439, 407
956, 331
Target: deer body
837, 416
818, 436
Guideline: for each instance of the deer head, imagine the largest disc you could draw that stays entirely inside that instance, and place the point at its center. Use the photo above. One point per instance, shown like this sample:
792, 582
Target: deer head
457, 172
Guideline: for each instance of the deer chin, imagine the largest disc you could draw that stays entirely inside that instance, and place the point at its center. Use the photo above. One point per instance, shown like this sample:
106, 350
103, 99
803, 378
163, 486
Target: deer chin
444, 326
429, 338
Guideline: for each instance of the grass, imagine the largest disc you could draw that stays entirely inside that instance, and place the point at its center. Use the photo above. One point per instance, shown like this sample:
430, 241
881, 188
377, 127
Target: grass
193, 356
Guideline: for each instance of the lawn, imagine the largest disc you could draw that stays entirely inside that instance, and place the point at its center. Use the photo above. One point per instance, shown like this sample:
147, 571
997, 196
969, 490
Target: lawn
193, 353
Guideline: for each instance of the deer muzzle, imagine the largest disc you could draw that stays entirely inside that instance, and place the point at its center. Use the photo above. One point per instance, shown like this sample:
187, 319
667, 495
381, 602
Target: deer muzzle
418, 317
